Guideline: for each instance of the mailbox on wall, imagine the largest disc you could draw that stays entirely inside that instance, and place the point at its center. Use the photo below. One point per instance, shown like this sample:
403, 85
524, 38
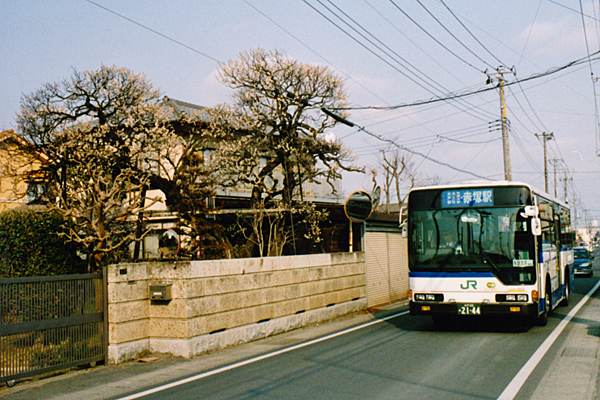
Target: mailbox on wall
160, 291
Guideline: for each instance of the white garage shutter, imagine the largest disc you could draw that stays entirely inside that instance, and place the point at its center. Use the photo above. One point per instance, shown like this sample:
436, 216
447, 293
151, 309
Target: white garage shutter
377, 271
387, 267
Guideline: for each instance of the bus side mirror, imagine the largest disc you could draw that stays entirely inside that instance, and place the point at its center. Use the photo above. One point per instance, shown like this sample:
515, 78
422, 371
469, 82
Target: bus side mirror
536, 226
402, 221
531, 211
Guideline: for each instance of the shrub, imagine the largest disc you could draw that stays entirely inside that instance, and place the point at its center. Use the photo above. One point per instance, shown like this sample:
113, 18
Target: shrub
31, 245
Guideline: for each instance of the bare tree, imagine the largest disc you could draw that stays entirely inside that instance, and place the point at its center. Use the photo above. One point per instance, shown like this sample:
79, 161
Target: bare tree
100, 131
398, 172
97, 203
272, 140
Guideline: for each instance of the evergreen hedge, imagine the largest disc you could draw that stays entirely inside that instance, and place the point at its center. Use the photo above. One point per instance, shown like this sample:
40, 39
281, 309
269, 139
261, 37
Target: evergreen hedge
30, 244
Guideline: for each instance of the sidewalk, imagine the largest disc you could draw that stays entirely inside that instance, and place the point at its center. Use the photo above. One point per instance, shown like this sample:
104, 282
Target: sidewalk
573, 373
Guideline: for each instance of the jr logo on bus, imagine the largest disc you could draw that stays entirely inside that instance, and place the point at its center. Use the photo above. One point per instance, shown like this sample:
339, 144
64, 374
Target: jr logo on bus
472, 284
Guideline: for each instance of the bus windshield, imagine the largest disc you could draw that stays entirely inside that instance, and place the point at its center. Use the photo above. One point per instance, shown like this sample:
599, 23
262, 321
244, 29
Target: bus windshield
494, 239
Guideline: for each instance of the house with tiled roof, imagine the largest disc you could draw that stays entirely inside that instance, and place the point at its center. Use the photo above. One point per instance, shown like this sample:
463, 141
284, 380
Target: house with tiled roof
232, 200
18, 168
313, 192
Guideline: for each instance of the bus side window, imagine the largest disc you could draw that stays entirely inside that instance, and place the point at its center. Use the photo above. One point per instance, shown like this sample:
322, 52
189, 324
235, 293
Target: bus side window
566, 234
549, 231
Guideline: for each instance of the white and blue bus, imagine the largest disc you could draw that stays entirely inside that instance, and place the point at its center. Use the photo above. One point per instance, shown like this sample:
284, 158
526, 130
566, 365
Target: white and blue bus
488, 248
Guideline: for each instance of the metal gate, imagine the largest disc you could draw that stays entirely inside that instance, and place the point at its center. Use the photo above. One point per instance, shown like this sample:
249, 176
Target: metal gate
50, 323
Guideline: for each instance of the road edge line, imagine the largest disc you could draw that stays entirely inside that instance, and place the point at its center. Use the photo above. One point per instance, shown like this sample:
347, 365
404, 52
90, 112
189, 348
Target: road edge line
259, 358
518, 381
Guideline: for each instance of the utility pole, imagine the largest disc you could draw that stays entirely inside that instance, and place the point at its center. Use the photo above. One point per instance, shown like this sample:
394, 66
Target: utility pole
554, 162
565, 187
499, 75
545, 138
587, 223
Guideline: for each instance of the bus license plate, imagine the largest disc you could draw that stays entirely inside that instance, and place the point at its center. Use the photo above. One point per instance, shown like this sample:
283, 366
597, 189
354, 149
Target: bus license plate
469, 309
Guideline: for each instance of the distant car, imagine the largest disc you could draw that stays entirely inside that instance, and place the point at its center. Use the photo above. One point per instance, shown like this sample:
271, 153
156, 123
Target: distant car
583, 261
586, 245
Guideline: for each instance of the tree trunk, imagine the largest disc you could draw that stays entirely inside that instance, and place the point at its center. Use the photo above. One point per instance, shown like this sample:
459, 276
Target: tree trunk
140, 225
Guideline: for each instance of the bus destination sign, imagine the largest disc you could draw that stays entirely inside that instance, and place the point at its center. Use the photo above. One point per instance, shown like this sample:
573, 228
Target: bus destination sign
468, 197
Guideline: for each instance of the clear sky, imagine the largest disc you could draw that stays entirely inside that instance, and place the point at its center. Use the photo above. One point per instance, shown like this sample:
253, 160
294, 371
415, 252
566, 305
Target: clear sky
390, 53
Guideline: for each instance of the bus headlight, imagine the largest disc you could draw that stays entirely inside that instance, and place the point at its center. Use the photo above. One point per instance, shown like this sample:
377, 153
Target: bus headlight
511, 297
428, 297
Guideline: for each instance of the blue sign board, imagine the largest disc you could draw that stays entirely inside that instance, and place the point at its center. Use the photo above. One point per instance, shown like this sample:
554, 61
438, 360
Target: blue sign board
468, 197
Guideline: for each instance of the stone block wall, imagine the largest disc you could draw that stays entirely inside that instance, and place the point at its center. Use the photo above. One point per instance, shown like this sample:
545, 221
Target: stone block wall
219, 303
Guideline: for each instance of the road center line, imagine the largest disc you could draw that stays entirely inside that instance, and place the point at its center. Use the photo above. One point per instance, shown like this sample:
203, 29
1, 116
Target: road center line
517, 382
259, 358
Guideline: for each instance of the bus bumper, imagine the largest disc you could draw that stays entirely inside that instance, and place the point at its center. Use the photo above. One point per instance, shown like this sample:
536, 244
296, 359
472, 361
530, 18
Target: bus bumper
520, 309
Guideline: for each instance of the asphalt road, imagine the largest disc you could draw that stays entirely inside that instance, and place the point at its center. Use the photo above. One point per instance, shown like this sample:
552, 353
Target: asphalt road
386, 355
404, 357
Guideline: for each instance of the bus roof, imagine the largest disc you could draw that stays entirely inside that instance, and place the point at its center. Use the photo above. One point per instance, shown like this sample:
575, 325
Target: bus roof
473, 184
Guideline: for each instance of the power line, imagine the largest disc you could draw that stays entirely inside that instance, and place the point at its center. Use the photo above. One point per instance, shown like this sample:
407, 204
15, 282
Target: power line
375, 45
419, 47
466, 142
522, 147
451, 34
471, 109
431, 36
511, 49
395, 53
465, 94
530, 106
529, 33
472, 159
572, 9
312, 50
375, 38
155, 32
414, 112
472, 35
393, 143
587, 46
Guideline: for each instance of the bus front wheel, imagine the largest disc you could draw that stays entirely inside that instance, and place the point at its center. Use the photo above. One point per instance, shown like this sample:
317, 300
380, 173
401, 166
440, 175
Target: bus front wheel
565, 301
542, 320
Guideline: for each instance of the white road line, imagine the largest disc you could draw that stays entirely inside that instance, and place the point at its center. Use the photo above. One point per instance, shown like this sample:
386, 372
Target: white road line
515, 385
259, 358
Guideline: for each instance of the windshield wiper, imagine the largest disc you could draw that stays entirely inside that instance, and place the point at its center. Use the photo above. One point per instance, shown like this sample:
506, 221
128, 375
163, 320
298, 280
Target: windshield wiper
487, 257
444, 262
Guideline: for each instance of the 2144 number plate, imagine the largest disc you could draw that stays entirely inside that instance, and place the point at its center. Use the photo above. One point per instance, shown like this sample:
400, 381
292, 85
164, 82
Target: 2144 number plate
469, 309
